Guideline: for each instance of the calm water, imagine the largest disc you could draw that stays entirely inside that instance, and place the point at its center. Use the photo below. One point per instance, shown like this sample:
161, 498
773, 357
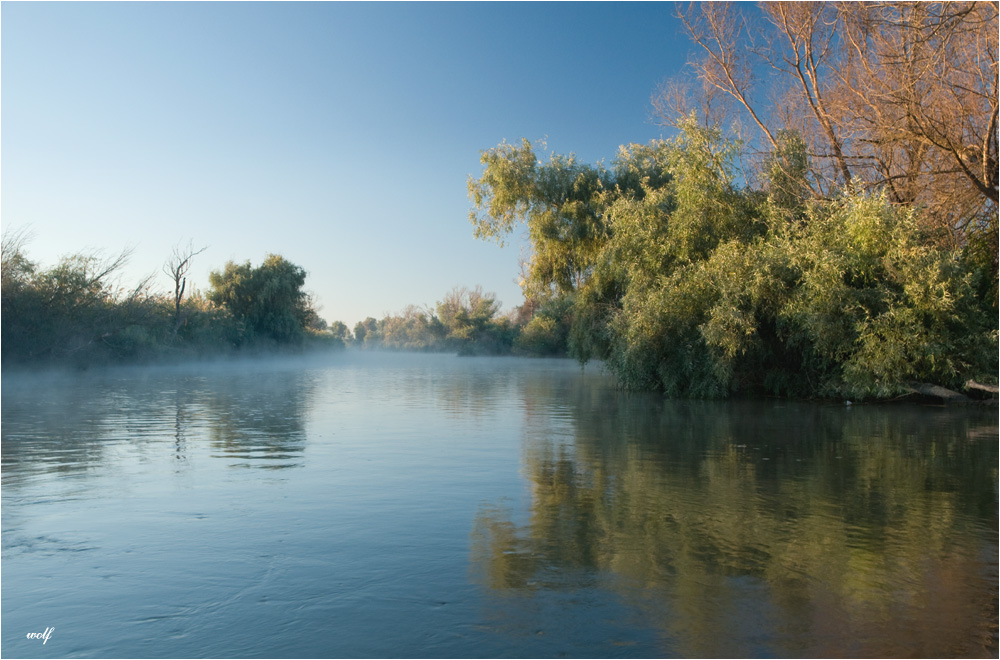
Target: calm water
407, 505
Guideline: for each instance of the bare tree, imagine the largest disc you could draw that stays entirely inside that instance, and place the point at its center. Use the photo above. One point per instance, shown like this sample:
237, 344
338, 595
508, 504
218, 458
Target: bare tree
894, 96
922, 90
177, 268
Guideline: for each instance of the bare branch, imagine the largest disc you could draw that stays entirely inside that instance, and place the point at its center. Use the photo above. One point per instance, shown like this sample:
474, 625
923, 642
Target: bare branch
177, 268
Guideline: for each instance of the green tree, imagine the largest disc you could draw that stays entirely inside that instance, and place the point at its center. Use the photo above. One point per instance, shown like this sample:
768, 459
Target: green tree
880, 305
267, 300
547, 331
560, 202
565, 205
469, 317
413, 329
702, 286
340, 330
76, 310
366, 332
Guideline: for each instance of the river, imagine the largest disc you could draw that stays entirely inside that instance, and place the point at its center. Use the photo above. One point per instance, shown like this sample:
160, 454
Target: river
381, 505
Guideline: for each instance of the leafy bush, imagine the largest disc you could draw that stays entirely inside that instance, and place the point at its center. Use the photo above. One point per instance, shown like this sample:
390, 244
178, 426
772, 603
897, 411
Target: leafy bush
701, 288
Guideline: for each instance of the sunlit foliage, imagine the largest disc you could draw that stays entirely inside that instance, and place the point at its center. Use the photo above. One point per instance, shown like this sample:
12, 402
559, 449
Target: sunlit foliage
697, 285
547, 332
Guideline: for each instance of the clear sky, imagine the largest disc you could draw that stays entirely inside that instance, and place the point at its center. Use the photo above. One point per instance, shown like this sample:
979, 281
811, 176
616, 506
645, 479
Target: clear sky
338, 135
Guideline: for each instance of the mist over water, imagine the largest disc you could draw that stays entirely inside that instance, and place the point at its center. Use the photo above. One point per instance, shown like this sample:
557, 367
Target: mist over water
384, 505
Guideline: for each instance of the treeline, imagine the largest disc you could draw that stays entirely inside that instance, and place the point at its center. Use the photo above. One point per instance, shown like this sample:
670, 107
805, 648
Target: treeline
78, 313
466, 322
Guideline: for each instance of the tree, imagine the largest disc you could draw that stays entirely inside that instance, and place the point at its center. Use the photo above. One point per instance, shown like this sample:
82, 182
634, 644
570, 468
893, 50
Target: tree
76, 309
413, 329
311, 320
177, 268
340, 330
468, 316
558, 200
546, 331
564, 205
704, 287
366, 332
900, 97
267, 300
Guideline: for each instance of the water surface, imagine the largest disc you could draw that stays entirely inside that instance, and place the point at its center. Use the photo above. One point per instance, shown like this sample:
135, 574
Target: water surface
366, 505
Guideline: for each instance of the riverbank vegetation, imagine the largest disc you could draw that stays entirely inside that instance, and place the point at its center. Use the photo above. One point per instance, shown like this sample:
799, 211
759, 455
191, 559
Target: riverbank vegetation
78, 313
846, 247
841, 242
468, 322
682, 279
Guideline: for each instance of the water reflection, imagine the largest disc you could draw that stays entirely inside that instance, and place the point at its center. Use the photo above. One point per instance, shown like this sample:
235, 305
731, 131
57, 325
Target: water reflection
75, 423
602, 524
260, 421
800, 530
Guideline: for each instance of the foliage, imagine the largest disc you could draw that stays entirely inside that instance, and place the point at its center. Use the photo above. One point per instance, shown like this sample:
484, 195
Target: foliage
890, 98
267, 301
339, 330
882, 304
414, 329
465, 322
561, 202
74, 309
547, 332
469, 317
698, 287
366, 332
77, 313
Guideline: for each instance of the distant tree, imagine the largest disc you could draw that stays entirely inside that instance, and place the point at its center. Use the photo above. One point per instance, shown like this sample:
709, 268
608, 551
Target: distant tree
311, 319
177, 268
340, 330
366, 332
267, 300
17, 269
546, 331
470, 319
413, 329
465, 313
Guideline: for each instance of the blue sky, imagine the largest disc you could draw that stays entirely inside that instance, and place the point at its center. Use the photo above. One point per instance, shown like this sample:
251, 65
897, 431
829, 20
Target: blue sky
339, 135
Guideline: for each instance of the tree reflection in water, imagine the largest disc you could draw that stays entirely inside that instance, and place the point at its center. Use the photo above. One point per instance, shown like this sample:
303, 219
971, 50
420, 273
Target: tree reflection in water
760, 528
253, 417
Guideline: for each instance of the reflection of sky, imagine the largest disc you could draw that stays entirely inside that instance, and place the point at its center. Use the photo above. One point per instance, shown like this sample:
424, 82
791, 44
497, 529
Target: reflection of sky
364, 542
